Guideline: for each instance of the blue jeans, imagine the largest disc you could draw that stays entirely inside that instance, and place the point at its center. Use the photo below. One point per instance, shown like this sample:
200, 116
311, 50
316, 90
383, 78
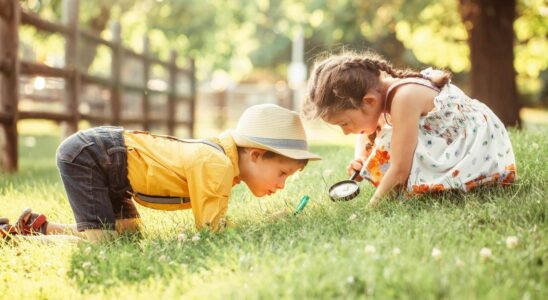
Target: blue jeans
93, 167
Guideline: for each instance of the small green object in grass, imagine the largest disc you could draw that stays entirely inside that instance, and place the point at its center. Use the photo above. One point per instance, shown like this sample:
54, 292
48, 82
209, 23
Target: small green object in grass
302, 204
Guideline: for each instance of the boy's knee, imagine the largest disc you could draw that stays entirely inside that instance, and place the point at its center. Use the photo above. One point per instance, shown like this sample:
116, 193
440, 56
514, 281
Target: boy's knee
128, 225
99, 235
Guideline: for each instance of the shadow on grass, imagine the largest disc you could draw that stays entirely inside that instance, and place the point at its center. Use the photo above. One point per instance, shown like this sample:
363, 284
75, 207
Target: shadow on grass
133, 259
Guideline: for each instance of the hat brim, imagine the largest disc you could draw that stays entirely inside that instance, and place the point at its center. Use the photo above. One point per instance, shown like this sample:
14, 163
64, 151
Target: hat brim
243, 141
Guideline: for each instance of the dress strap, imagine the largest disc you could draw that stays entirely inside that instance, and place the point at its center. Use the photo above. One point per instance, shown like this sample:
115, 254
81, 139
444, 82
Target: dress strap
419, 81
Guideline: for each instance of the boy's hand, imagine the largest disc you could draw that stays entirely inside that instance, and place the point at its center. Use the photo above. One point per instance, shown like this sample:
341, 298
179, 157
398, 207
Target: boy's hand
281, 214
355, 165
278, 215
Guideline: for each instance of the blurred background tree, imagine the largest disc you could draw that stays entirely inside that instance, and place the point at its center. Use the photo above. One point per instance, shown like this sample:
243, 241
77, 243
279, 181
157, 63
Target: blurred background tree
491, 46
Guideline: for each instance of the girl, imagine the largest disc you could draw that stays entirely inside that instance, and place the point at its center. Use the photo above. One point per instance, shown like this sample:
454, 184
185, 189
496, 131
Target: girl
414, 129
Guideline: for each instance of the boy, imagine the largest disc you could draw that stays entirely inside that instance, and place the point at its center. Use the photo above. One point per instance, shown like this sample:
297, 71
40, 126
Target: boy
104, 168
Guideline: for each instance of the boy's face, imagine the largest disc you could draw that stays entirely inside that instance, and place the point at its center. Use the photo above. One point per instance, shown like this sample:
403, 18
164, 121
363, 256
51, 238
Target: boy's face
264, 176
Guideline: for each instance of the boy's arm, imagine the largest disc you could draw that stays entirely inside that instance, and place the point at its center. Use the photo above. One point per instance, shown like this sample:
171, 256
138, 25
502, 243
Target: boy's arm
209, 185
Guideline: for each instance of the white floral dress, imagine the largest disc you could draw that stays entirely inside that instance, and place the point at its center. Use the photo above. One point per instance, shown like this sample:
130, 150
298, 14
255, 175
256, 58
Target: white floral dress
461, 144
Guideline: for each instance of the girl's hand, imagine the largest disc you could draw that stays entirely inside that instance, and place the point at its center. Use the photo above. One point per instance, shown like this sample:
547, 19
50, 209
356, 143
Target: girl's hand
355, 165
373, 202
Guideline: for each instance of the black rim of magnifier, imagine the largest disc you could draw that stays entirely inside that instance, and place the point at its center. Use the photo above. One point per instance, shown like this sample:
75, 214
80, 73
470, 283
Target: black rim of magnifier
349, 181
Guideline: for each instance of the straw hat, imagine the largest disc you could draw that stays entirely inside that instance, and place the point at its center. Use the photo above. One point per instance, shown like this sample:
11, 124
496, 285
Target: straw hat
273, 128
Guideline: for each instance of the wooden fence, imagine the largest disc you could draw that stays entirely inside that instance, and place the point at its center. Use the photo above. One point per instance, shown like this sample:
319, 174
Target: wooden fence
12, 67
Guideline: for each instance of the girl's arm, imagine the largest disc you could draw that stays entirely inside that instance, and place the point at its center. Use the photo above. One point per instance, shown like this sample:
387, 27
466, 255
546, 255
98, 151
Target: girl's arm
359, 150
407, 105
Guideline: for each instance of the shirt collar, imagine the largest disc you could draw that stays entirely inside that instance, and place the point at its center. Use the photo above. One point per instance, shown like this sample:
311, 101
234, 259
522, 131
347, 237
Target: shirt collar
227, 142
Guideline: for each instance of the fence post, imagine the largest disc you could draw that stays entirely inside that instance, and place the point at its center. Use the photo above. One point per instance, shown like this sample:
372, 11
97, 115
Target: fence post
192, 74
172, 96
146, 76
70, 19
116, 71
9, 81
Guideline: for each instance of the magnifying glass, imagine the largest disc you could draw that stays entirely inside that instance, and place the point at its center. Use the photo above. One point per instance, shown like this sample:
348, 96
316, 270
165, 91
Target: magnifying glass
345, 190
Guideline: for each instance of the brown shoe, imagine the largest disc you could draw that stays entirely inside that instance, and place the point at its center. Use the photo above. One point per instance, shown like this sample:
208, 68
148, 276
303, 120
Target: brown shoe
30, 223
6, 230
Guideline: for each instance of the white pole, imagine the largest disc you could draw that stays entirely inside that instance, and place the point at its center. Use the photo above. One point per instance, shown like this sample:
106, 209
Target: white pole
296, 73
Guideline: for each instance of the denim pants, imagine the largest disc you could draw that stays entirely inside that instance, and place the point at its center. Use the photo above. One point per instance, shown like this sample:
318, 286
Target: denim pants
93, 167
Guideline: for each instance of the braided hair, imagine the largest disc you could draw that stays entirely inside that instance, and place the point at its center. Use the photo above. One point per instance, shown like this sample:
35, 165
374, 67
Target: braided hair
339, 82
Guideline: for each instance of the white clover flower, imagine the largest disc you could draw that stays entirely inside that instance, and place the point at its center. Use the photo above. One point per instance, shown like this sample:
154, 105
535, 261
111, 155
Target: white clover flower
370, 249
162, 258
436, 254
396, 251
485, 254
87, 250
182, 237
352, 217
350, 279
327, 172
512, 242
196, 238
86, 265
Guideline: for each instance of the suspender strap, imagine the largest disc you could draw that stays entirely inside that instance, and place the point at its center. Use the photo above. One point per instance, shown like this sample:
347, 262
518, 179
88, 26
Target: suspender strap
178, 200
204, 141
419, 81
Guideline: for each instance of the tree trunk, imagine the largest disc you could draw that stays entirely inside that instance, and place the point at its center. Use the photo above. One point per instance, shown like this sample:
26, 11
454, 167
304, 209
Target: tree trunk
491, 38
88, 50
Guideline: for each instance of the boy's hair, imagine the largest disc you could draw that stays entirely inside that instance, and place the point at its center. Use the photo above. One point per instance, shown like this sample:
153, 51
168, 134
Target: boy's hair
339, 82
270, 155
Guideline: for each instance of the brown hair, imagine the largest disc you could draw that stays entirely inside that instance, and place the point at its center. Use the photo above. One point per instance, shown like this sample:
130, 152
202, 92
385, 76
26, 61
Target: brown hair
340, 81
271, 155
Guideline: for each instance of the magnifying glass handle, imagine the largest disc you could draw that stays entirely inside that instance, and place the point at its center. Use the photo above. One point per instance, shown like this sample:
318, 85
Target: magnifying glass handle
354, 175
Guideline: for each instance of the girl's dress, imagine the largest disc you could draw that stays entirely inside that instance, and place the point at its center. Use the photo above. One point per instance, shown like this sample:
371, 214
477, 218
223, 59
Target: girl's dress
461, 144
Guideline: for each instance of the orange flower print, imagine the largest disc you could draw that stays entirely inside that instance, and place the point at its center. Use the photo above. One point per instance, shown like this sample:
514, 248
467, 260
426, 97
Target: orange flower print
381, 157
455, 173
509, 178
510, 167
470, 185
420, 188
437, 188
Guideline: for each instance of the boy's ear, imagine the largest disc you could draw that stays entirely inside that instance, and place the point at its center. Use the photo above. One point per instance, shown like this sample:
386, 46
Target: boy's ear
255, 154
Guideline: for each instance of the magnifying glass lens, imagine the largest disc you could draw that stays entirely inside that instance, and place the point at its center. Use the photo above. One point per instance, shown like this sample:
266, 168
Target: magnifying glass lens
344, 190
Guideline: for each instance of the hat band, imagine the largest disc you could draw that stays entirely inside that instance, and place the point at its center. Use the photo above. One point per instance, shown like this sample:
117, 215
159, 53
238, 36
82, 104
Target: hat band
280, 143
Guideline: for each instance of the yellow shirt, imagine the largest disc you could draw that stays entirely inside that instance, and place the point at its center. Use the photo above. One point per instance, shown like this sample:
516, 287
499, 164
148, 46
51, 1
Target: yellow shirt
163, 166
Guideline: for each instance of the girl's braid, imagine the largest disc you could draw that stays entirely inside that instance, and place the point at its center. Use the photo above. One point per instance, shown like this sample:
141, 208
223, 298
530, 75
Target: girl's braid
375, 65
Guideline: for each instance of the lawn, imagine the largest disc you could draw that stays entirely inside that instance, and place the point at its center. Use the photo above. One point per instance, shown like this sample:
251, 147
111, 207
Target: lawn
418, 248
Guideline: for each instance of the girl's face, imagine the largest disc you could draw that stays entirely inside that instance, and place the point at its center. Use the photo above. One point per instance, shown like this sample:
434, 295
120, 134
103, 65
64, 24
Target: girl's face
358, 121
264, 176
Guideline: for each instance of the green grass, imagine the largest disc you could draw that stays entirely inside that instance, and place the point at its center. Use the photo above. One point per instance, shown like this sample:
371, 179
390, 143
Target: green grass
319, 254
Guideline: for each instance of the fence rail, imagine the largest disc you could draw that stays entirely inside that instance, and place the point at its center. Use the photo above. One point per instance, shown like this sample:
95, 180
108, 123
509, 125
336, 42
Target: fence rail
12, 67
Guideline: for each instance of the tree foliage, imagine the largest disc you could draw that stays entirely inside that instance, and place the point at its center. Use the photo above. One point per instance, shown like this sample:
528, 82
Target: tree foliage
239, 36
